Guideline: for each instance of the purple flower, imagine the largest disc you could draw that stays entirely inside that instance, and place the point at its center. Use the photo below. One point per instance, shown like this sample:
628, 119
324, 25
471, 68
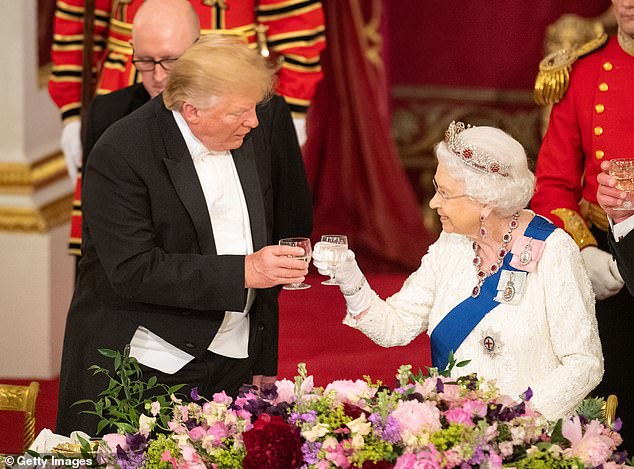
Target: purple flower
310, 450
527, 395
391, 432
617, 425
440, 386
136, 442
194, 394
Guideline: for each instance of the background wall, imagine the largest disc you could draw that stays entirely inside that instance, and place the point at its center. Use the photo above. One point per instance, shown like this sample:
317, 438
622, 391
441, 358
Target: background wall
466, 60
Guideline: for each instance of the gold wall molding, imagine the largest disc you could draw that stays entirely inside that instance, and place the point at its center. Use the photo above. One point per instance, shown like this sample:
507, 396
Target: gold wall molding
422, 113
36, 220
21, 178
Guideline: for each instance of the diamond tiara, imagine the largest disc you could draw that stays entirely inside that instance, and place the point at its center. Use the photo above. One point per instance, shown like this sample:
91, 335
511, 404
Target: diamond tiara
470, 155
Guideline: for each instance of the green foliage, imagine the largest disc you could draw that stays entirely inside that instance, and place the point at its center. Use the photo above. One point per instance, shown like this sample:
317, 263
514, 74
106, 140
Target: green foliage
128, 396
155, 452
405, 375
543, 459
375, 450
451, 436
592, 409
230, 458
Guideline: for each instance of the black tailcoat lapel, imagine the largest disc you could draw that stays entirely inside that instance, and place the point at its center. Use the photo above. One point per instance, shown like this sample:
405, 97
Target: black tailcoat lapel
244, 159
183, 174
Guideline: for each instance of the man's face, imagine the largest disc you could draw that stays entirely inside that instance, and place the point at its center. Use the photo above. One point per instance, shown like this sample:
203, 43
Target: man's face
224, 125
624, 10
152, 44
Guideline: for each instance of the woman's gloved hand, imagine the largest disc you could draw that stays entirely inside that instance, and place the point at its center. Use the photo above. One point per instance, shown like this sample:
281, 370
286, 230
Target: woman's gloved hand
348, 276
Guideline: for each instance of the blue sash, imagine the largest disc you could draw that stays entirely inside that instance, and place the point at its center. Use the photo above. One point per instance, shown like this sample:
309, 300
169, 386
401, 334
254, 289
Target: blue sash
454, 328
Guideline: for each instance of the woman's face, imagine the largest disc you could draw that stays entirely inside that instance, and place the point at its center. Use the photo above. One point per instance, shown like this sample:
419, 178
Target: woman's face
458, 212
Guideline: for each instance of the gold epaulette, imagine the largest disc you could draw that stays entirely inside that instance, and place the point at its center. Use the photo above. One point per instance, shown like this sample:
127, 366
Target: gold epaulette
552, 80
576, 227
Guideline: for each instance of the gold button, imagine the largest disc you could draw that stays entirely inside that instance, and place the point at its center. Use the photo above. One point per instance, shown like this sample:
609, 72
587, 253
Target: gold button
599, 154
603, 86
599, 108
598, 131
607, 66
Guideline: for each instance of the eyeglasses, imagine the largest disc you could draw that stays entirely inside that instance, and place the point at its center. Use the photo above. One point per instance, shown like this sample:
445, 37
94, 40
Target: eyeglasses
147, 65
444, 196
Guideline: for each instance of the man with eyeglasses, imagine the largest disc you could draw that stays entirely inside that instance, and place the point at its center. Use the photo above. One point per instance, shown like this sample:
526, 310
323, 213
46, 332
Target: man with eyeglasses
294, 30
162, 31
185, 200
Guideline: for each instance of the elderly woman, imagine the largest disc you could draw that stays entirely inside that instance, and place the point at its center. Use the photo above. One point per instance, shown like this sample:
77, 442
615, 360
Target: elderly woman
501, 287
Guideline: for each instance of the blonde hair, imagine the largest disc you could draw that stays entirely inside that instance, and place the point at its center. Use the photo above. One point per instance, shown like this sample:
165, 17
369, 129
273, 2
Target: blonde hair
217, 66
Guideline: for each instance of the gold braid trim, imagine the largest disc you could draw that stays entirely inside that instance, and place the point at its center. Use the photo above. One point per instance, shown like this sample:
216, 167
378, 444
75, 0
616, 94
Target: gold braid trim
553, 78
576, 227
594, 214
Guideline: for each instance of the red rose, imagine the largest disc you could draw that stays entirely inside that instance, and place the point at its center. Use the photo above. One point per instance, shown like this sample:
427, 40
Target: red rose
272, 443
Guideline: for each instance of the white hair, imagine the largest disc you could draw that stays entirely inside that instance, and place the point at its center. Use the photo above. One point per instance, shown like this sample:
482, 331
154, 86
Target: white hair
505, 194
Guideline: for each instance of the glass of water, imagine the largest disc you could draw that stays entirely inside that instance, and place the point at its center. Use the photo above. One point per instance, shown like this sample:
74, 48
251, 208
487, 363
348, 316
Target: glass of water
335, 249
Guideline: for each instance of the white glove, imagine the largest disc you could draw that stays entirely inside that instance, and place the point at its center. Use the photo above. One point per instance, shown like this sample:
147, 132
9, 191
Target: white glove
70, 142
603, 272
300, 129
348, 275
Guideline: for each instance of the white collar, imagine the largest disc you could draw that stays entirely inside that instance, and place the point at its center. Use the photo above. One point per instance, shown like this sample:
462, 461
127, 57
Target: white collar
195, 146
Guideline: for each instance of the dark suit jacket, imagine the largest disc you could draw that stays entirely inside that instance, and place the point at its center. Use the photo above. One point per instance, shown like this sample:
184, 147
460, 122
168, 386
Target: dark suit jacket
107, 109
624, 253
149, 252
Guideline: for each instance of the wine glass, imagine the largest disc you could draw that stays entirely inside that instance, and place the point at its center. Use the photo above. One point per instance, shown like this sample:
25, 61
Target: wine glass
622, 169
303, 243
335, 248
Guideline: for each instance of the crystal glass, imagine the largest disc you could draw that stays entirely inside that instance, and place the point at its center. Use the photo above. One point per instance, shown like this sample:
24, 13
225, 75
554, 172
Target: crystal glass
622, 169
334, 249
308, 252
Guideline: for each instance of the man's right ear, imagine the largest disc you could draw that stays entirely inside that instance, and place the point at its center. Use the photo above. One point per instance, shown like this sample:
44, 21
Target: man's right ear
190, 113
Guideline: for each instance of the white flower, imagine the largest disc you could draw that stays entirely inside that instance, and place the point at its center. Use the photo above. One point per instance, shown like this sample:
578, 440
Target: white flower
146, 424
155, 408
316, 431
360, 426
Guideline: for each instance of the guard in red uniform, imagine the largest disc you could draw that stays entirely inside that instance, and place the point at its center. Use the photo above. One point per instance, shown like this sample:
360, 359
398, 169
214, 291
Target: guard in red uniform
593, 121
294, 30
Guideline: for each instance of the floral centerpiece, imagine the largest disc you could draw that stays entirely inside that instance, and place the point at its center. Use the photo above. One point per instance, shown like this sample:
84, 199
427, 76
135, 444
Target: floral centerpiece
432, 421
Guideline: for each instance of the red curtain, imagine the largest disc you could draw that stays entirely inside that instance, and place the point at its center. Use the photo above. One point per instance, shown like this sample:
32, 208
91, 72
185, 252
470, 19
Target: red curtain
359, 186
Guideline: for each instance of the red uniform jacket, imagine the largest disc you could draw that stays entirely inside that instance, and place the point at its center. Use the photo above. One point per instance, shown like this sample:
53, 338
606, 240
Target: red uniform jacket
593, 122
295, 30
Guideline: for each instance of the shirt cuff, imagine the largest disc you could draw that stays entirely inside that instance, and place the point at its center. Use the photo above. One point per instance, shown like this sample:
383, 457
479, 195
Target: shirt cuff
622, 229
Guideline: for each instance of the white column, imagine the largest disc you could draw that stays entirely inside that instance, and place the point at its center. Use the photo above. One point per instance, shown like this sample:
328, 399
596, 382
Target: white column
36, 274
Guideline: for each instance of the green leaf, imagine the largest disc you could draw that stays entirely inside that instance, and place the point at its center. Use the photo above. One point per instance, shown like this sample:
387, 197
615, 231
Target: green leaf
117, 362
101, 425
83, 401
108, 352
125, 427
557, 437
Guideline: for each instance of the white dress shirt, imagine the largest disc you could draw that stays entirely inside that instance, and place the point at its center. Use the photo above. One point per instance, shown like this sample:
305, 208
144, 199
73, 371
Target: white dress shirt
621, 230
229, 216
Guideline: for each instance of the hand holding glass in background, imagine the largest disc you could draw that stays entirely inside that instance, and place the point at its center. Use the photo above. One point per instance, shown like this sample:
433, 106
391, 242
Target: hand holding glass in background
303, 243
622, 169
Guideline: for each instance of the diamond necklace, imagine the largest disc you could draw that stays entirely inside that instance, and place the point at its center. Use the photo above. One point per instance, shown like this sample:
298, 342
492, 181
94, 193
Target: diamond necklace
481, 275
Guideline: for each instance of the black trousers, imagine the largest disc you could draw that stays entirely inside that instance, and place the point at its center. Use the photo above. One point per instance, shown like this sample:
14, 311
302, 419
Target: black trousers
210, 374
615, 316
